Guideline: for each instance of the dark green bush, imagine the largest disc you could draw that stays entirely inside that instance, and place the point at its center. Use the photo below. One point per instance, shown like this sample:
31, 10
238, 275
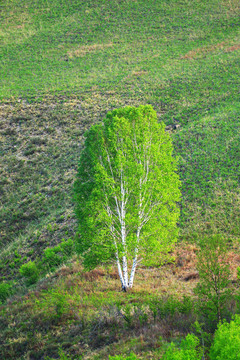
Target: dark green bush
226, 344
30, 272
52, 258
189, 350
170, 306
67, 247
179, 312
57, 255
54, 304
214, 280
5, 291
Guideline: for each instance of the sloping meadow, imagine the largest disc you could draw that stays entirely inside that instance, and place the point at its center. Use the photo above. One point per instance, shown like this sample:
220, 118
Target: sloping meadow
65, 65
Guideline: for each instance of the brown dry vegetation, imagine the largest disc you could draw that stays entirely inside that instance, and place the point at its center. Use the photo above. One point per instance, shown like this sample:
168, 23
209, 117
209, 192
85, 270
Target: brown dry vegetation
90, 308
83, 50
203, 51
233, 48
101, 56
40, 145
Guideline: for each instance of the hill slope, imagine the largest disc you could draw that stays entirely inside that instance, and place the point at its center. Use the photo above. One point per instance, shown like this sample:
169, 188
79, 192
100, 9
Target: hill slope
66, 64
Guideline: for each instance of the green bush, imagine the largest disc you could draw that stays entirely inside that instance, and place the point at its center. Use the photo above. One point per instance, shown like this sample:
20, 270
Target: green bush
54, 304
5, 291
57, 255
170, 306
214, 279
226, 344
51, 257
30, 272
189, 350
67, 247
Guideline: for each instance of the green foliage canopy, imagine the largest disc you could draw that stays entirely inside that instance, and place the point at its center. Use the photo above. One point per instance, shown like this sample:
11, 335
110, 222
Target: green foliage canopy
226, 343
189, 350
127, 189
214, 279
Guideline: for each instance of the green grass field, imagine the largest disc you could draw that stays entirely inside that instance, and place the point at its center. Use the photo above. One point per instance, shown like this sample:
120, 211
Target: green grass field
65, 64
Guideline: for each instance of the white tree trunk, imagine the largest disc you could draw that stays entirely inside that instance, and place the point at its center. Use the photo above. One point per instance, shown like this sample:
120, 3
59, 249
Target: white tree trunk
123, 233
120, 273
125, 273
134, 266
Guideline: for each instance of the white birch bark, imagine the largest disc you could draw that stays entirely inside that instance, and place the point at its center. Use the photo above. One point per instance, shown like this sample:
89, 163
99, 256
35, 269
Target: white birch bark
142, 218
123, 233
121, 211
144, 200
134, 266
120, 271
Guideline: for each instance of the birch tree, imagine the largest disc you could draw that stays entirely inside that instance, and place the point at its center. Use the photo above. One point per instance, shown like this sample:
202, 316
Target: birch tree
126, 192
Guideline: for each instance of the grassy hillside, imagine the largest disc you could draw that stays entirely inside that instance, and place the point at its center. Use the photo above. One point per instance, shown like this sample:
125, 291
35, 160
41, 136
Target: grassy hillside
65, 64
87, 314
183, 54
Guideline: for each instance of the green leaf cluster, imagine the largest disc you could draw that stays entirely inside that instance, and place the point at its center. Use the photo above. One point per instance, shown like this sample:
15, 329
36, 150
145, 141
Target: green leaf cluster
57, 255
5, 291
127, 158
226, 344
189, 350
30, 271
214, 279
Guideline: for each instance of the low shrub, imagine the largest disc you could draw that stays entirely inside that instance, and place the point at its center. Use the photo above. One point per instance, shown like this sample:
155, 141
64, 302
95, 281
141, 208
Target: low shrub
57, 255
213, 289
67, 247
53, 304
226, 344
52, 258
170, 306
30, 272
5, 291
176, 313
189, 350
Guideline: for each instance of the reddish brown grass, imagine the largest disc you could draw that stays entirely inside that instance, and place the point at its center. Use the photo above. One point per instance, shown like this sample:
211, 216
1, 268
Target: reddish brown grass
233, 48
193, 54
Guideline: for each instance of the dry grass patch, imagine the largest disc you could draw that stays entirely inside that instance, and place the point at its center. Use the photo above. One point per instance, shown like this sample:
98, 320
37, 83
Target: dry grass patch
233, 48
139, 73
85, 49
200, 52
203, 51
234, 262
231, 5
91, 307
